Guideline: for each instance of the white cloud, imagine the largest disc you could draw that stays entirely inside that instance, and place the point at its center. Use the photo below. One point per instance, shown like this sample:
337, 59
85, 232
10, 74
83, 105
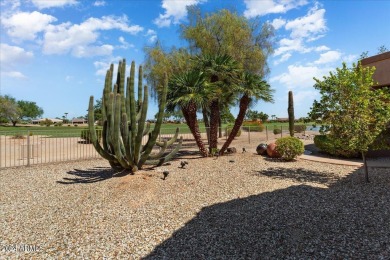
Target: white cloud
284, 58
12, 55
90, 51
103, 65
124, 44
303, 29
322, 48
328, 57
77, 38
303, 96
152, 35
99, 3
175, 11
288, 45
300, 76
41, 4
308, 26
25, 26
259, 8
10, 4
13, 74
278, 23
350, 58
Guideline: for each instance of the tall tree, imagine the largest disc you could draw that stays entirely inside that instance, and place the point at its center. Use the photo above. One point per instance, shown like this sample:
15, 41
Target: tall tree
29, 110
350, 110
9, 109
249, 42
253, 88
187, 90
222, 74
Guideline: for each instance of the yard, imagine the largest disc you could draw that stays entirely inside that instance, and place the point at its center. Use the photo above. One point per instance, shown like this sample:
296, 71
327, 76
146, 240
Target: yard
240, 205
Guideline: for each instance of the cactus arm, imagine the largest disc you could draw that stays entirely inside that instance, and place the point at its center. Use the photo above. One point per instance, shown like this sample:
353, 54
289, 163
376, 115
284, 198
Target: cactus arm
146, 130
160, 153
141, 125
167, 158
139, 88
172, 140
117, 134
92, 131
132, 110
149, 145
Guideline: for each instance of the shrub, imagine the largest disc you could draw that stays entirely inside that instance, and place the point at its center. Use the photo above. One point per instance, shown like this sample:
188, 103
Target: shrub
331, 146
277, 131
46, 122
229, 129
289, 147
85, 134
58, 124
18, 136
253, 126
299, 128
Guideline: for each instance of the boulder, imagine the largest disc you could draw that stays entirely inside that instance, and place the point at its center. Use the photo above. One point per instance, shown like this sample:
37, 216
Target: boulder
261, 149
271, 151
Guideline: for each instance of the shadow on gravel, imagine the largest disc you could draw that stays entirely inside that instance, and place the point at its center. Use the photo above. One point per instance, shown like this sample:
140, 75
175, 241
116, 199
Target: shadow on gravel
299, 175
349, 219
92, 175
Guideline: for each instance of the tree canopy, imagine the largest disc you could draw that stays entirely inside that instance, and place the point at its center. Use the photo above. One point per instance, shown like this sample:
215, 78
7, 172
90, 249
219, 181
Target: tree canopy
350, 111
14, 111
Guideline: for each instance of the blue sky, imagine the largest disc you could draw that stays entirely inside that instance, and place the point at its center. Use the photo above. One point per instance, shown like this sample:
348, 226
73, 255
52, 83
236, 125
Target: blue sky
56, 52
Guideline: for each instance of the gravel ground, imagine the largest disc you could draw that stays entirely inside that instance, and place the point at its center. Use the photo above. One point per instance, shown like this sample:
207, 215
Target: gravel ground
241, 206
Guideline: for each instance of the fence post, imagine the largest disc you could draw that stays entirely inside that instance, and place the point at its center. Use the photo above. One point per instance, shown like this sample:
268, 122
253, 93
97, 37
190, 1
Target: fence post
266, 132
28, 148
281, 131
249, 133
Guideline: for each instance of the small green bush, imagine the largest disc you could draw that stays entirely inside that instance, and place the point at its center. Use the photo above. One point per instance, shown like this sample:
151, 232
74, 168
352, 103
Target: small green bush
87, 136
327, 145
229, 129
253, 127
289, 147
46, 122
299, 128
277, 131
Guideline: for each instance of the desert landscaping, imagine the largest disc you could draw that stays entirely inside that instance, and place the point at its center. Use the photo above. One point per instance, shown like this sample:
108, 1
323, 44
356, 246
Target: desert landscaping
241, 205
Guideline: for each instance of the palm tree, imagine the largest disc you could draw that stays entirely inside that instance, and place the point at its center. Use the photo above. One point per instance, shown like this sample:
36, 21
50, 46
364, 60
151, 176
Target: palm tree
253, 88
187, 91
222, 76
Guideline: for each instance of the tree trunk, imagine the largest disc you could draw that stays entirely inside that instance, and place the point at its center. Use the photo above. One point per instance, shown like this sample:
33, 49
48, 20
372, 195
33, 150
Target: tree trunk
189, 113
244, 104
365, 167
220, 127
206, 123
14, 123
214, 118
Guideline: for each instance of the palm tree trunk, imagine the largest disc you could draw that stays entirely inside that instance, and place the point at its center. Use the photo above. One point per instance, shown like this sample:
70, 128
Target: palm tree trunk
214, 118
189, 113
220, 127
244, 104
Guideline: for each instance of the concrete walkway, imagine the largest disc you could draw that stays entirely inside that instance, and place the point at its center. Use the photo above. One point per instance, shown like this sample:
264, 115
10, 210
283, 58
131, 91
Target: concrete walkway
370, 163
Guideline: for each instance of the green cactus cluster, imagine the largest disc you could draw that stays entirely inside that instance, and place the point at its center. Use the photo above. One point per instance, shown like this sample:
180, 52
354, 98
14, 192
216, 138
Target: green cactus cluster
290, 111
124, 123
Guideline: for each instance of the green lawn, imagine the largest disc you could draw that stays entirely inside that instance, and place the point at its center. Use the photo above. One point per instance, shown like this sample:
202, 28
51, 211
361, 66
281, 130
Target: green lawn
72, 131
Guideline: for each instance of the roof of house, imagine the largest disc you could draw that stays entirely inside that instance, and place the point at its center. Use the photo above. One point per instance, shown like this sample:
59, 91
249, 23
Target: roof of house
54, 120
381, 62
